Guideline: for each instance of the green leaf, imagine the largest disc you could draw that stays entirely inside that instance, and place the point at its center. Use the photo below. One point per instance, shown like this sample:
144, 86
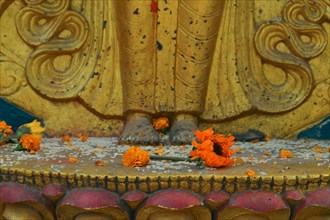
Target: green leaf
2, 136
21, 131
165, 131
19, 147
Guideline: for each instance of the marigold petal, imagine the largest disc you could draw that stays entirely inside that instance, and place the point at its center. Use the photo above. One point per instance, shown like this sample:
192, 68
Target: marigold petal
99, 163
73, 160
250, 173
204, 135
285, 154
318, 149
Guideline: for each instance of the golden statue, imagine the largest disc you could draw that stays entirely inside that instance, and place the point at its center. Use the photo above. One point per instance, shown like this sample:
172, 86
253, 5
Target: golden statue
232, 65
196, 34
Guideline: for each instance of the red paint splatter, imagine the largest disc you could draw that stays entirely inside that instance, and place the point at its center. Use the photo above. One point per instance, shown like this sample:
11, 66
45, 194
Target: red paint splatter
154, 6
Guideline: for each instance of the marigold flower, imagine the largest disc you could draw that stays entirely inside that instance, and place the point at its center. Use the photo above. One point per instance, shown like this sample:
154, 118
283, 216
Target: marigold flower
285, 154
6, 129
250, 173
204, 146
266, 153
214, 160
160, 123
30, 142
204, 135
135, 157
33, 128
213, 149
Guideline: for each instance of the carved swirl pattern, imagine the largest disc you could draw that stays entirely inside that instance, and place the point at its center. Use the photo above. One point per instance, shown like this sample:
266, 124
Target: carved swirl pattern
11, 77
303, 36
54, 67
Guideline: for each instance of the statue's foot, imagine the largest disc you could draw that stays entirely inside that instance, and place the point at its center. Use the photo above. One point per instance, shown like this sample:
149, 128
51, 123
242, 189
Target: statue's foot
182, 131
138, 130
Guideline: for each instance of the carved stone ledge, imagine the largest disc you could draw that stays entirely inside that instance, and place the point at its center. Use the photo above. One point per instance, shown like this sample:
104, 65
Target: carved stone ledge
18, 201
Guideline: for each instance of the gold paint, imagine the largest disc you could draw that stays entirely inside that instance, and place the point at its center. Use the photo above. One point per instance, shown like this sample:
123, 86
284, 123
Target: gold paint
314, 178
325, 177
192, 213
17, 211
93, 78
109, 213
238, 213
290, 180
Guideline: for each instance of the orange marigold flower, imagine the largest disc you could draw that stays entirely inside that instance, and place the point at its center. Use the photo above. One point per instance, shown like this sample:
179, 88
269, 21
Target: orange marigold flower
99, 163
207, 145
160, 123
204, 135
223, 141
318, 149
328, 149
285, 154
6, 129
30, 142
198, 154
216, 161
250, 173
135, 157
73, 160
213, 149
266, 153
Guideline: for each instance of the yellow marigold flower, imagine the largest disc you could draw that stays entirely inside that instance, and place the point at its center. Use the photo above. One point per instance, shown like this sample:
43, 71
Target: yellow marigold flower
34, 128
160, 123
135, 157
285, 154
30, 142
6, 129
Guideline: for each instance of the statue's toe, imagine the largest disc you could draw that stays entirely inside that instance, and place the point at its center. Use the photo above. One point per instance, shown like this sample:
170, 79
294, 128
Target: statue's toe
182, 132
139, 132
